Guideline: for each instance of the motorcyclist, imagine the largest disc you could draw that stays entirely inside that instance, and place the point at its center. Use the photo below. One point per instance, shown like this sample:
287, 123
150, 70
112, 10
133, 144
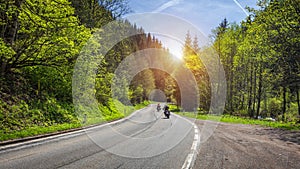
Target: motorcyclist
158, 107
166, 111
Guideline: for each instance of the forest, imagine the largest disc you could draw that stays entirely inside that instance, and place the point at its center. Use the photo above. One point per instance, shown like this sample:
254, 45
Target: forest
260, 57
40, 42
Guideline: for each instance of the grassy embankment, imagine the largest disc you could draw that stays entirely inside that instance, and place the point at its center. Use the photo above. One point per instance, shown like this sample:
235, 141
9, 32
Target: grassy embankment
238, 120
108, 114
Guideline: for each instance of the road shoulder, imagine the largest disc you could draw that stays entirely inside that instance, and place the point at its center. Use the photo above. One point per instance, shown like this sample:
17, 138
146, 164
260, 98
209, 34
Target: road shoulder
249, 146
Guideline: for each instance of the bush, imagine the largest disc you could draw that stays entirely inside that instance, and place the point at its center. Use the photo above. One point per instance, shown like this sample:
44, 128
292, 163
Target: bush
274, 106
23, 115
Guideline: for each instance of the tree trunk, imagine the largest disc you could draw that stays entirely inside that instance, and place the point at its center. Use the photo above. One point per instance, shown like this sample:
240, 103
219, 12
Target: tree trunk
3, 68
10, 30
284, 104
265, 102
231, 82
259, 91
254, 94
13, 28
250, 93
242, 100
298, 103
243, 86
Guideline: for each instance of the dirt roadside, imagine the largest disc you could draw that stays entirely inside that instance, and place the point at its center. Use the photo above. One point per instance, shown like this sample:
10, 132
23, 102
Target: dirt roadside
248, 146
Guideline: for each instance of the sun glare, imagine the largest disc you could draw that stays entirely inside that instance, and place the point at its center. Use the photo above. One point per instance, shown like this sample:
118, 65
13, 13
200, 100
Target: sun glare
174, 46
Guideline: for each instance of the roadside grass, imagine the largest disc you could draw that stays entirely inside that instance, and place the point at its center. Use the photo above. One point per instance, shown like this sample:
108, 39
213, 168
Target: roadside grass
37, 130
117, 111
91, 120
238, 120
142, 105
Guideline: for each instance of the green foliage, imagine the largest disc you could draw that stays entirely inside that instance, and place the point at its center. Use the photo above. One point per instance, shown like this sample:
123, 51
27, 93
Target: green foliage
6, 50
192, 56
116, 111
94, 14
261, 61
141, 85
48, 81
22, 115
112, 111
39, 44
47, 34
142, 105
274, 107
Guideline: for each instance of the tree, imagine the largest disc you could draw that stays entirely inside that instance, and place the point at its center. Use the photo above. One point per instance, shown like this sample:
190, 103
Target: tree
39, 33
261, 59
97, 13
188, 46
191, 53
282, 20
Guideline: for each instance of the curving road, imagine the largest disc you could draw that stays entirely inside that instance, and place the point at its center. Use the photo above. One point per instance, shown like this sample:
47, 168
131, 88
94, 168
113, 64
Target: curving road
144, 140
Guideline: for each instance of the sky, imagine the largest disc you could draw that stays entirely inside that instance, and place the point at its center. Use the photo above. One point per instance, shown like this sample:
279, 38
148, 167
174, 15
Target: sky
204, 15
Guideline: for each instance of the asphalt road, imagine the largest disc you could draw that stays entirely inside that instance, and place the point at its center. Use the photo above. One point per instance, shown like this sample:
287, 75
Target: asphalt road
144, 140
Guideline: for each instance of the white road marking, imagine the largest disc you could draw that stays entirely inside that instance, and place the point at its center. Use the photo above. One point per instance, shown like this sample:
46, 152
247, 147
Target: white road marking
191, 157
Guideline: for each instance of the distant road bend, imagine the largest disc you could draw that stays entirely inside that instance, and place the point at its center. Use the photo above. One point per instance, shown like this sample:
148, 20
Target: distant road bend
144, 140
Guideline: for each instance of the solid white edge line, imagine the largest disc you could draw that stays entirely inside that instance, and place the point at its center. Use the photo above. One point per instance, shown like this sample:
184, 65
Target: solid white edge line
191, 157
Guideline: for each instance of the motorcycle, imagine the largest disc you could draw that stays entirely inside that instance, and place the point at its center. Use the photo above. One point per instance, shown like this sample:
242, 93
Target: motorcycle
167, 113
158, 108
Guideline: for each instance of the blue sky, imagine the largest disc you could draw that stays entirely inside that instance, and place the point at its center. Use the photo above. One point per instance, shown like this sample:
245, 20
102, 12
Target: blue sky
203, 14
